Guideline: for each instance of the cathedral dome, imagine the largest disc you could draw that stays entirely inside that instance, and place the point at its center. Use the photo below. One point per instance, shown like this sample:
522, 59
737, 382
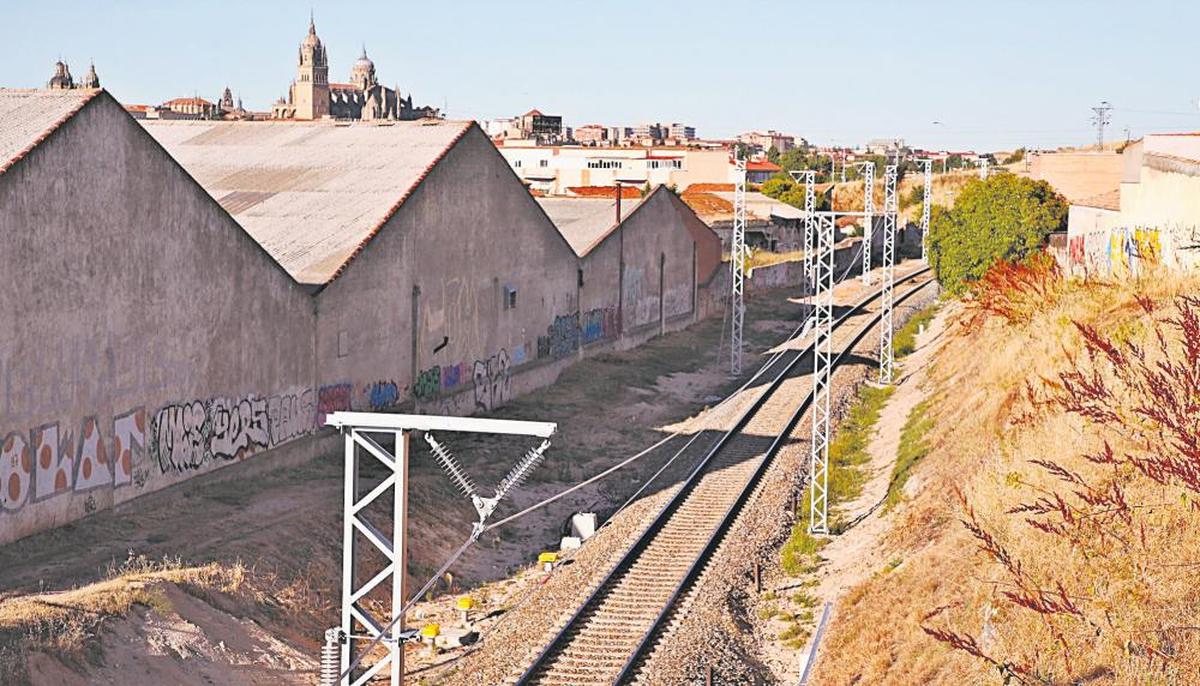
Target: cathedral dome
62, 76
90, 79
363, 72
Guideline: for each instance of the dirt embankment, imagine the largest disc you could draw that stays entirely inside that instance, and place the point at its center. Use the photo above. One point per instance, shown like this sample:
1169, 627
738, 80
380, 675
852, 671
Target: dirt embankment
1046, 532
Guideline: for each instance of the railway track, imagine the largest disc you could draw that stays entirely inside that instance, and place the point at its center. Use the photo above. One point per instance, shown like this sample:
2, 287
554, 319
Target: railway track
617, 626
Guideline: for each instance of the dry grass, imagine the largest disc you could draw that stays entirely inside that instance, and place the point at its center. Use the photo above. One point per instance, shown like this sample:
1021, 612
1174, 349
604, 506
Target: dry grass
1063, 571
65, 623
766, 258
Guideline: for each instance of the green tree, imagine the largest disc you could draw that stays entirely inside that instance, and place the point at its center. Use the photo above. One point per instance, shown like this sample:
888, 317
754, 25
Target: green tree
776, 186
1006, 217
1016, 156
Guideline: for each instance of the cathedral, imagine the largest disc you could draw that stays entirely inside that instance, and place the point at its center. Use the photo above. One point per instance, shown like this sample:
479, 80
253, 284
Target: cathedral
312, 96
62, 79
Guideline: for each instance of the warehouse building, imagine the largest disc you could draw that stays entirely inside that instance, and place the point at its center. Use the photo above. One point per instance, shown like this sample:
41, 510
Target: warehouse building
194, 293
149, 338
642, 263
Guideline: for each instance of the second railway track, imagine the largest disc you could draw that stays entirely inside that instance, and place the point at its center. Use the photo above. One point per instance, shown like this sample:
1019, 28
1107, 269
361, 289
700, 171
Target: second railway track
606, 638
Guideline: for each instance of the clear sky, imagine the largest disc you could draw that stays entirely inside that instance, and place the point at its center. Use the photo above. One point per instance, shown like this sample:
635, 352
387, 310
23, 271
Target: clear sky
995, 75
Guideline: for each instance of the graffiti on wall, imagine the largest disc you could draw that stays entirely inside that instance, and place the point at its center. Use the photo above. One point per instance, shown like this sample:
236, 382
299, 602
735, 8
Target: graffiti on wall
493, 382
562, 337
48, 464
381, 395
333, 398
428, 383
453, 375
600, 323
1130, 250
1119, 251
179, 436
186, 436
291, 415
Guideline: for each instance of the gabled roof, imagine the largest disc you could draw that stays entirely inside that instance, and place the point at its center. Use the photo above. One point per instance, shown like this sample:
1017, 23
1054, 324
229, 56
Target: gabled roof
585, 222
27, 117
311, 193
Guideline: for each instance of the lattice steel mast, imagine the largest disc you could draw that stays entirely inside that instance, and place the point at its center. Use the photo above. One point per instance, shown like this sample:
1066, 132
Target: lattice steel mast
818, 520
890, 212
868, 217
365, 547
809, 177
737, 265
925, 206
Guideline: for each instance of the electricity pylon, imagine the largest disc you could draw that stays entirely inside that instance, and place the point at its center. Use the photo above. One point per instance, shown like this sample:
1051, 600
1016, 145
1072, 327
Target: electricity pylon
868, 169
818, 519
890, 212
925, 207
737, 261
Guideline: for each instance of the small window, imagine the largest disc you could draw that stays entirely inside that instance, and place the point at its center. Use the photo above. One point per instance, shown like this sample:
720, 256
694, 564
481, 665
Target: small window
517, 163
581, 278
343, 346
543, 163
510, 297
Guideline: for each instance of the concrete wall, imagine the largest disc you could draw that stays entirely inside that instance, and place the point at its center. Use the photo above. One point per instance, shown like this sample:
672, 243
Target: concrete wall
1158, 223
662, 246
467, 237
1078, 175
149, 339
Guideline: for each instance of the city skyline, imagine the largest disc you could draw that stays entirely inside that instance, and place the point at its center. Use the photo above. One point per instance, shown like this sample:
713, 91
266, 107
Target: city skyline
979, 100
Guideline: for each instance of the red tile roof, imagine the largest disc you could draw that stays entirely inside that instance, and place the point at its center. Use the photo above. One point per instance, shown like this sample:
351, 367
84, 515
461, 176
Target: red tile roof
533, 113
187, 101
603, 191
763, 166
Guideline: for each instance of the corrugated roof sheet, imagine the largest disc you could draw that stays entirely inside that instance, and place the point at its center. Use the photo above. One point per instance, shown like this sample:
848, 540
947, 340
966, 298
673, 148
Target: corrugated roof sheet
28, 116
584, 222
311, 193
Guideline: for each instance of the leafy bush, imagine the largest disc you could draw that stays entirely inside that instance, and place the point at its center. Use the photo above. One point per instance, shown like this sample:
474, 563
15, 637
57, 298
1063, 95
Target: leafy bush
1004, 218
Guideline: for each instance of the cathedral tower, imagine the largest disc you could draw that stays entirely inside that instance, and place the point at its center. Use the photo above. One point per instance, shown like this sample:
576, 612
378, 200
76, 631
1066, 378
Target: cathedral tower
310, 92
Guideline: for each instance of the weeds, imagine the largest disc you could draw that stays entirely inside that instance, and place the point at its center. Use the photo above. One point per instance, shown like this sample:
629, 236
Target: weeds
1107, 509
1015, 291
913, 448
904, 341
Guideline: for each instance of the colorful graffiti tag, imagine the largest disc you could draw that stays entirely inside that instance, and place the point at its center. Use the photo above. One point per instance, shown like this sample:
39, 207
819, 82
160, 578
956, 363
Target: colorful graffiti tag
428, 383
382, 395
600, 323
45, 465
562, 337
333, 398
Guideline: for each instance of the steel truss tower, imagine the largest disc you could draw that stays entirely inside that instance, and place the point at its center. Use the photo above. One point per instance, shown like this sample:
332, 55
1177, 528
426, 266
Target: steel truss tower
890, 211
868, 217
808, 177
928, 202
363, 543
818, 515
737, 264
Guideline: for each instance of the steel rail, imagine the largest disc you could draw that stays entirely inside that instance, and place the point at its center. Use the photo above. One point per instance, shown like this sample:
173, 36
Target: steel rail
735, 509
693, 478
